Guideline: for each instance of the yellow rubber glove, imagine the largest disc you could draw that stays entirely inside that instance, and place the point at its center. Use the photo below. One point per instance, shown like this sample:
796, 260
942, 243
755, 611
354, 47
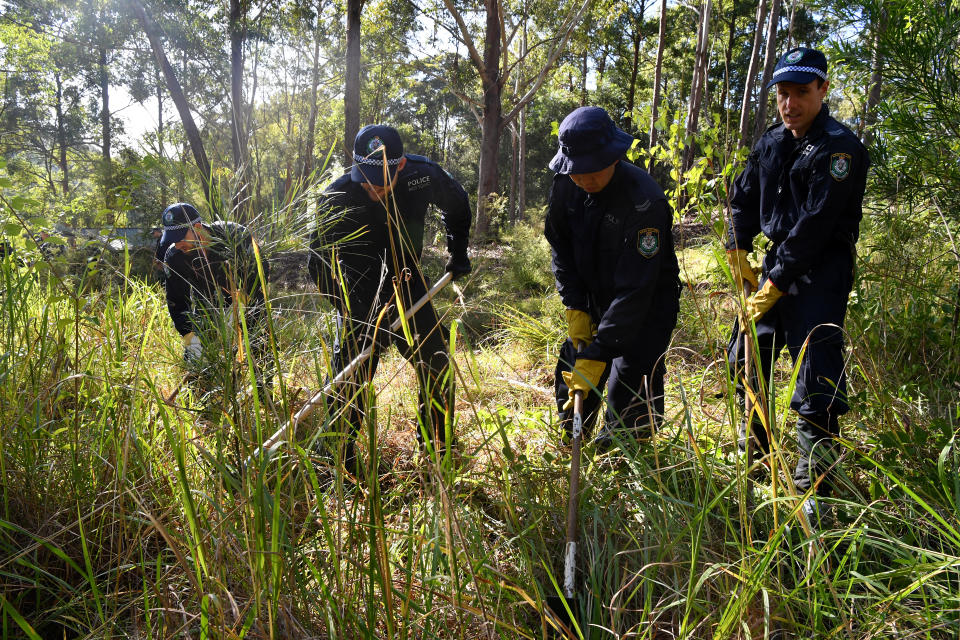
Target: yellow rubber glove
761, 302
741, 269
585, 377
580, 328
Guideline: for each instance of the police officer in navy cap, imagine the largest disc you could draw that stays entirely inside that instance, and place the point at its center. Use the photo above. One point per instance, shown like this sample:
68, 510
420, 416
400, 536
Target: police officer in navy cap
802, 188
211, 274
371, 235
609, 227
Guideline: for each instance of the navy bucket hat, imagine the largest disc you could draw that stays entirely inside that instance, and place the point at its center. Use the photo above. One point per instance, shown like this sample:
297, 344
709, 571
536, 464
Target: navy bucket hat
800, 65
372, 143
177, 219
589, 141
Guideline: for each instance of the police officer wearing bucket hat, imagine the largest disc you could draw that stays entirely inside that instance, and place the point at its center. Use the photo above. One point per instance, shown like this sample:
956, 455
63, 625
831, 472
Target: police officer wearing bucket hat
211, 270
803, 188
609, 228
370, 235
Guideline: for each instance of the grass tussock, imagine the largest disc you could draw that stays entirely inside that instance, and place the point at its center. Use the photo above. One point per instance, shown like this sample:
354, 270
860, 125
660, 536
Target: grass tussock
125, 515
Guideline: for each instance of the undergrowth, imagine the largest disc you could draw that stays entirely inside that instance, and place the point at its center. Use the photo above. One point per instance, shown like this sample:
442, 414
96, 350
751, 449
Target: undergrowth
125, 515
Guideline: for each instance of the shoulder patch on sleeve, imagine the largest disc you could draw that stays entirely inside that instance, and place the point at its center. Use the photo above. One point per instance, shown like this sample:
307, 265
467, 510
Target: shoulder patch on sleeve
648, 242
840, 166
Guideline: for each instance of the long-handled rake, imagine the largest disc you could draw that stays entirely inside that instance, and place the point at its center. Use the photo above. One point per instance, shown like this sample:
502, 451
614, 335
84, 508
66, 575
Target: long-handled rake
271, 444
564, 608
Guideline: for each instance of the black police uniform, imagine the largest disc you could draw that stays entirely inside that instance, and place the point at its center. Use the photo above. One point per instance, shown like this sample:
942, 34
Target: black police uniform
371, 247
200, 283
613, 257
806, 196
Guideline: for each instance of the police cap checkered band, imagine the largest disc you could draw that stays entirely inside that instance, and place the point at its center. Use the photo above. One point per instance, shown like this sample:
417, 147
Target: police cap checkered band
376, 161
813, 70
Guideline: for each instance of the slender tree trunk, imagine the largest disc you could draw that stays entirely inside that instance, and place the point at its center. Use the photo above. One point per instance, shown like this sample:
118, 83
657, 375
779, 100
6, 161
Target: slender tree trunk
768, 63
105, 133
657, 74
876, 79
699, 82
514, 167
307, 166
583, 79
522, 126
183, 108
238, 138
61, 136
160, 133
727, 61
752, 74
351, 85
793, 14
635, 38
522, 170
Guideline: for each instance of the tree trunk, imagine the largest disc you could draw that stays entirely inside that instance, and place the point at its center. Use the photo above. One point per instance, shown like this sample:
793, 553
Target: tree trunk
522, 170
61, 136
307, 166
514, 167
752, 74
105, 134
793, 14
768, 63
490, 124
876, 80
238, 138
727, 62
658, 72
699, 81
160, 134
351, 84
583, 79
636, 38
183, 108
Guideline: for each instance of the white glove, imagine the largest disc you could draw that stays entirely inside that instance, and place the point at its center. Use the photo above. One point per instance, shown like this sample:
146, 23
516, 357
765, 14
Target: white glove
191, 347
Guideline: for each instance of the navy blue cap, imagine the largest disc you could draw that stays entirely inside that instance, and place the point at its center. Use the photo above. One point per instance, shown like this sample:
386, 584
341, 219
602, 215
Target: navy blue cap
800, 65
372, 143
177, 219
589, 141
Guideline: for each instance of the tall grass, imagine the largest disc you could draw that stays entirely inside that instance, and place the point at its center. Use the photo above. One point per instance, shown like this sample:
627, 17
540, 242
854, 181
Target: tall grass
127, 516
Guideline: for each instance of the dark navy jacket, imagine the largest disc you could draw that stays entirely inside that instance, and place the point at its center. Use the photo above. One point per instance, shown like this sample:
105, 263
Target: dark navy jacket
358, 230
199, 281
613, 257
805, 195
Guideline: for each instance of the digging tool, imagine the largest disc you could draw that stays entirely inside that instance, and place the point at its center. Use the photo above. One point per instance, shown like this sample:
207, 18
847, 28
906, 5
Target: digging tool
748, 379
273, 442
564, 607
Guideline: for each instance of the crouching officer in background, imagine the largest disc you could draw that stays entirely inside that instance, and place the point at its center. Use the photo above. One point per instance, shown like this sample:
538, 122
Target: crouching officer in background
803, 188
211, 274
609, 227
371, 237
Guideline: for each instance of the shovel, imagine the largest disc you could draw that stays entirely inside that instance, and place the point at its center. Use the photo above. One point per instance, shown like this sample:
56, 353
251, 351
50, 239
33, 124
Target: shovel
272, 443
563, 608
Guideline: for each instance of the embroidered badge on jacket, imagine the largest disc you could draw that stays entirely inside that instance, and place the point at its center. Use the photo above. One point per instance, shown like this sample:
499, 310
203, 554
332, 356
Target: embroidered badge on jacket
648, 242
840, 166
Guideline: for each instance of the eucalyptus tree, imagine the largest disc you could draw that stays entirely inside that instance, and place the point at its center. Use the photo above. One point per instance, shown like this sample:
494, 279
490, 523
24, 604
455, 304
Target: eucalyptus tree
492, 24
44, 120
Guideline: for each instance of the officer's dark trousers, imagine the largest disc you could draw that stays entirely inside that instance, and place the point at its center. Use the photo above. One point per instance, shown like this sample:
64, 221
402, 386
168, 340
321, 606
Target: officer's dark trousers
428, 354
634, 384
808, 323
